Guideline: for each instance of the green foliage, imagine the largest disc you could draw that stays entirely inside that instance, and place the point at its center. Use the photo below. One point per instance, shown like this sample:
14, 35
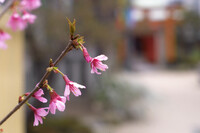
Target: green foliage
194, 57
72, 26
61, 125
119, 96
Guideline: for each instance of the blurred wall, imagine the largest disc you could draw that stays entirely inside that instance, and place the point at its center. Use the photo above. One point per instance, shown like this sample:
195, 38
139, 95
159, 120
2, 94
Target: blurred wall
12, 80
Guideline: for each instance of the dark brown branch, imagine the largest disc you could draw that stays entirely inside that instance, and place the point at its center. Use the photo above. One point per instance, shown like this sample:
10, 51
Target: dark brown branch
6, 7
45, 76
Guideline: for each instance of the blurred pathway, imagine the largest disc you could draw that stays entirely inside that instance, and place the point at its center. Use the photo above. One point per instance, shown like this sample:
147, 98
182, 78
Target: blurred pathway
174, 105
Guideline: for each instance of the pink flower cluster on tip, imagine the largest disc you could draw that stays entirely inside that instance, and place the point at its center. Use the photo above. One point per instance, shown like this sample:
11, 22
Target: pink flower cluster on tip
71, 87
3, 37
38, 114
56, 102
95, 63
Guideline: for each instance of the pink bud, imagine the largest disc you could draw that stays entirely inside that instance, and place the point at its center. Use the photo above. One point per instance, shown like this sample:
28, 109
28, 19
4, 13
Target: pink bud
86, 55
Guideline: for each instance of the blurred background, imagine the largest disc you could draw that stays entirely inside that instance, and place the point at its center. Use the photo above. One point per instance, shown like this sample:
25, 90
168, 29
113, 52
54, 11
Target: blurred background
153, 81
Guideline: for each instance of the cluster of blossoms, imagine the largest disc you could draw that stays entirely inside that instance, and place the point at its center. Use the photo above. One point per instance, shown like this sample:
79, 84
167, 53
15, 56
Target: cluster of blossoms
20, 18
57, 102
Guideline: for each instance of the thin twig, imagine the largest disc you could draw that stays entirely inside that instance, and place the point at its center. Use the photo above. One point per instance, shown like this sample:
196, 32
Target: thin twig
45, 76
6, 7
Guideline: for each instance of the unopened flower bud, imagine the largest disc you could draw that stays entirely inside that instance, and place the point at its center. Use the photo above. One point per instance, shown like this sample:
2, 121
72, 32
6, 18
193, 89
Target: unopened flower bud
72, 27
49, 69
21, 98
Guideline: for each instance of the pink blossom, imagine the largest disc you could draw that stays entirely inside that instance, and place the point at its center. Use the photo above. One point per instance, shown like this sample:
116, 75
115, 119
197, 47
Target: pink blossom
56, 102
38, 114
3, 36
30, 4
16, 22
97, 64
38, 95
86, 55
28, 17
71, 86
2, 1
3, 45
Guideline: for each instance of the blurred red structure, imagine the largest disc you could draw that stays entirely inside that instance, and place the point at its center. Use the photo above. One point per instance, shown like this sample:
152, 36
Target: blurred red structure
154, 40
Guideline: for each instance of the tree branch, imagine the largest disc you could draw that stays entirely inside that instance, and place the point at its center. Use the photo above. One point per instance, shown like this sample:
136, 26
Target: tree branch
40, 84
6, 7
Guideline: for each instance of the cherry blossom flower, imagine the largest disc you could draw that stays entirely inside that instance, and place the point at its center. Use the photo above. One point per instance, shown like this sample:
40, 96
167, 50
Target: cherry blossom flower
56, 102
38, 96
97, 64
2, 1
28, 17
3, 36
38, 114
71, 86
16, 22
86, 55
3, 45
30, 4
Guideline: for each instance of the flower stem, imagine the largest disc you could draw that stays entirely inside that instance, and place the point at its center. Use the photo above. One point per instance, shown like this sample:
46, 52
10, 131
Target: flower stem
56, 69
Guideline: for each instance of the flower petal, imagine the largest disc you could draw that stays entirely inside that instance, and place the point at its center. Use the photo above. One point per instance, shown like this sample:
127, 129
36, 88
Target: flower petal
63, 99
42, 111
39, 92
94, 70
77, 85
42, 99
52, 107
67, 91
39, 118
60, 106
76, 91
36, 123
101, 57
68, 98
3, 45
101, 66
